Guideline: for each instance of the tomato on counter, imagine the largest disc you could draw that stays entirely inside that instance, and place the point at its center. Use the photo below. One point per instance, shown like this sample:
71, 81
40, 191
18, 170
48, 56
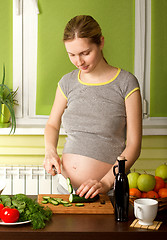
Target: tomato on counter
1, 206
9, 215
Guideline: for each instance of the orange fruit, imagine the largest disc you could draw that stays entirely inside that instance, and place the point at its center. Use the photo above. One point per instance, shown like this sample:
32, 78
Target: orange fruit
152, 194
159, 183
143, 195
162, 192
134, 192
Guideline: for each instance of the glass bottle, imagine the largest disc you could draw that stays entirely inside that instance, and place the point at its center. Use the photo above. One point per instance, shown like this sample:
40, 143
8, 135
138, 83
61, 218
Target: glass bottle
121, 191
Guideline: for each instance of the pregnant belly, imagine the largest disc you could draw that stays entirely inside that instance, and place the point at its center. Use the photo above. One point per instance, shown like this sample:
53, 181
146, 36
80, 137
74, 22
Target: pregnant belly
80, 168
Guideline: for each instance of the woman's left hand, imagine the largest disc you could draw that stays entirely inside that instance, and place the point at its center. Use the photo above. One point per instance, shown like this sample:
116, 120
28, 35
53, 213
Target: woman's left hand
91, 188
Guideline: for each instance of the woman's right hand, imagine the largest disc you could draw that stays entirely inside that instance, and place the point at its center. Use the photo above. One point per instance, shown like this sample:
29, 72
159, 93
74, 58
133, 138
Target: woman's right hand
52, 163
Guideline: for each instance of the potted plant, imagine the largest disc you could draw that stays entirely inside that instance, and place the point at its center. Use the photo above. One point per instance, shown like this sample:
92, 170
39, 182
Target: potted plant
7, 102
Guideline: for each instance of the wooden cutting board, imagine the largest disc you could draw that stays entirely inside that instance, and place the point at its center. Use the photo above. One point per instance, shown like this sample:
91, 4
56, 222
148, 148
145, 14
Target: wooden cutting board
89, 208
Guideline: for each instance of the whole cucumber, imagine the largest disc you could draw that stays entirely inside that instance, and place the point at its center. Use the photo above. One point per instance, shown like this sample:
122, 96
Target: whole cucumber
73, 198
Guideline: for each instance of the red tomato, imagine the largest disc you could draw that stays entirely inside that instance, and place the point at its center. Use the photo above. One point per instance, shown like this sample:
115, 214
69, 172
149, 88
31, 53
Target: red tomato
1, 206
9, 215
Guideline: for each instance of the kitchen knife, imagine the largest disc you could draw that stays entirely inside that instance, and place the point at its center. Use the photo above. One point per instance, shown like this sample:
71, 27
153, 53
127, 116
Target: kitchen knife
62, 184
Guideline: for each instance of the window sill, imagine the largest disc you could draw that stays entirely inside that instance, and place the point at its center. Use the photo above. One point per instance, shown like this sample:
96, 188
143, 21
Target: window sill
155, 126
39, 130
28, 130
154, 130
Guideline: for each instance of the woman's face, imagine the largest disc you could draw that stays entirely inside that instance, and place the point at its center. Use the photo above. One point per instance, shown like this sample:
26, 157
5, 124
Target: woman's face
84, 54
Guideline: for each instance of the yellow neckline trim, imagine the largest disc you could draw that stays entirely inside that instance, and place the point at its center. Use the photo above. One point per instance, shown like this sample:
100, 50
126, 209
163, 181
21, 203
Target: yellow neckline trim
98, 84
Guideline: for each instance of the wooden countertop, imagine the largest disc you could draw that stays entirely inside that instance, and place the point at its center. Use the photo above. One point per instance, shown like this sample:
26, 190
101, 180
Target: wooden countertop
85, 227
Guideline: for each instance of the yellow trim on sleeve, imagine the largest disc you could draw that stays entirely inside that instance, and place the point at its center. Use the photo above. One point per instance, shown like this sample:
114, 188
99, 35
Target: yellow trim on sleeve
98, 84
62, 91
132, 92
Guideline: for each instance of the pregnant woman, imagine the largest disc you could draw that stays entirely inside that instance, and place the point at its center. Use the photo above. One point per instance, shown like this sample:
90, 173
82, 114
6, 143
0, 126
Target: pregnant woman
99, 106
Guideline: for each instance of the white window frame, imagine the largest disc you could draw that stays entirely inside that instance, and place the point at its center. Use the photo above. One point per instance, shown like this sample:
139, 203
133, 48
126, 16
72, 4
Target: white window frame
25, 35
151, 125
158, 124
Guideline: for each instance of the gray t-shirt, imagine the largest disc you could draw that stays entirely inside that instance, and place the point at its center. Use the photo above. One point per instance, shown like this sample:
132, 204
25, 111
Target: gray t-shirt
95, 117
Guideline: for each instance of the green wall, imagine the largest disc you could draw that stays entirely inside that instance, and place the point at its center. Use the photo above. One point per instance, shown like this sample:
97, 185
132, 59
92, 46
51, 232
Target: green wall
6, 40
29, 150
158, 83
117, 21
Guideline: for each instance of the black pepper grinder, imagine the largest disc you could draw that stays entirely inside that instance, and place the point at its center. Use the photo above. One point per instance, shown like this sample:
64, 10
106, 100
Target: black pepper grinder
121, 191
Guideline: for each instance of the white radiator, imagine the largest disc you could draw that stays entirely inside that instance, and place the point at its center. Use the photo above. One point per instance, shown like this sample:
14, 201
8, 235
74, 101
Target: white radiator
30, 180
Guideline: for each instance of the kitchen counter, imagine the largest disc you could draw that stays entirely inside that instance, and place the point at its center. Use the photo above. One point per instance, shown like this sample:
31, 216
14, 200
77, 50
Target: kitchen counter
85, 227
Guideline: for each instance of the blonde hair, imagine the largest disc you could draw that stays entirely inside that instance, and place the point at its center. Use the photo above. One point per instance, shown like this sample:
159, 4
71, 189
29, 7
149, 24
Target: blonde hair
83, 26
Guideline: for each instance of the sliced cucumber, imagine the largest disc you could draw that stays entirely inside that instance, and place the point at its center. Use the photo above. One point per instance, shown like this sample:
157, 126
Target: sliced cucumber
44, 201
77, 199
67, 205
68, 181
70, 188
49, 200
58, 199
79, 205
64, 202
54, 202
46, 197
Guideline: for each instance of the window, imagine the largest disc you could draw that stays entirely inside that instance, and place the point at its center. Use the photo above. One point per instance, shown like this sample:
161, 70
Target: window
25, 30
150, 69
32, 72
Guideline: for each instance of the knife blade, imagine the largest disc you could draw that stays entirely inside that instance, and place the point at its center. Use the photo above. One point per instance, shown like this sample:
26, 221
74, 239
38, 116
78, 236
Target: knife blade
62, 183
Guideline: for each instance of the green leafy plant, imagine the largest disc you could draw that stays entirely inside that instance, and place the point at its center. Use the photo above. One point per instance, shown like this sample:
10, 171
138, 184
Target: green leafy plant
29, 209
7, 97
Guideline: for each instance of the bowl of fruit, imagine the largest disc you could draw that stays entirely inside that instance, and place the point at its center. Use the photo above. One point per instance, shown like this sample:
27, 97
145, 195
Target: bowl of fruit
149, 186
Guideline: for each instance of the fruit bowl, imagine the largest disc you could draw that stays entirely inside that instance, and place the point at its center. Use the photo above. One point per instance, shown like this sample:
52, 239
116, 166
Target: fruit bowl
162, 202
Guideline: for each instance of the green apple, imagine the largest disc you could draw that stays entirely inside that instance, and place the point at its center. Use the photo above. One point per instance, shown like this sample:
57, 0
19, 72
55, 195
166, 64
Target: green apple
146, 182
161, 171
132, 179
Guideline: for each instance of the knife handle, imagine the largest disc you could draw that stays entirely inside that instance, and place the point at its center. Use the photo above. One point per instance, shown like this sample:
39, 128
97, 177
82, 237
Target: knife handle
54, 169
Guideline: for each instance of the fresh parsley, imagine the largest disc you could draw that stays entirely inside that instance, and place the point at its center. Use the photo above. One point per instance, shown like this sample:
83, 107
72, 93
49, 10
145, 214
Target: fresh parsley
29, 209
